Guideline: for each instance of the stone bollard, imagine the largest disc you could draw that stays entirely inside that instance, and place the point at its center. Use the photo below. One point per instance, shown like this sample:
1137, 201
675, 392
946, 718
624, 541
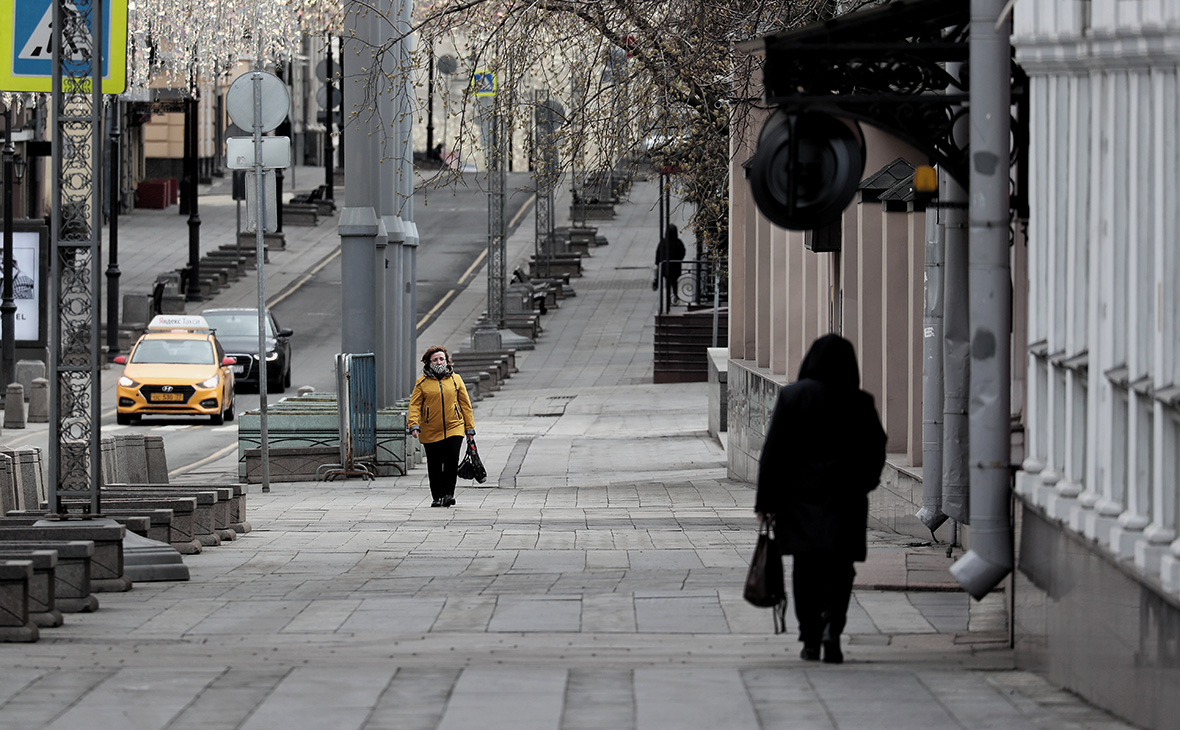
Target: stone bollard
15, 577
305, 390
27, 371
39, 401
28, 468
108, 460
14, 406
131, 459
8, 490
157, 460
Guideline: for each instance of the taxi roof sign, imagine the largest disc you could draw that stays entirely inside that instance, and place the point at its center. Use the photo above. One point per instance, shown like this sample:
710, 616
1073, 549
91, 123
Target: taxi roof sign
179, 323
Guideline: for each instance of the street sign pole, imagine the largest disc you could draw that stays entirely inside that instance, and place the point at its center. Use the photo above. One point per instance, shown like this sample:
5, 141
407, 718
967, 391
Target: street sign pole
260, 243
259, 101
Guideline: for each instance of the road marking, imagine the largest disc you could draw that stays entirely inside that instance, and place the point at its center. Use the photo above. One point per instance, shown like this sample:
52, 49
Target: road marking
474, 265
436, 307
201, 462
478, 260
532, 199
306, 277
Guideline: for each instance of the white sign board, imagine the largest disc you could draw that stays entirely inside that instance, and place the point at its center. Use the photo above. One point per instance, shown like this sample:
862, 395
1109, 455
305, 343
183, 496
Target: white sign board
276, 152
26, 256
270, 206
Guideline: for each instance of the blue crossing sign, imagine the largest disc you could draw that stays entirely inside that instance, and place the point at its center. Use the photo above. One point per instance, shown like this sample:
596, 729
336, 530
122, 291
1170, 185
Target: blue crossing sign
26, 46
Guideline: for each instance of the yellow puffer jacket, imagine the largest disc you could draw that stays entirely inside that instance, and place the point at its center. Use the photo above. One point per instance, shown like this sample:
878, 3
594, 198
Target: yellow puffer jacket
440, 407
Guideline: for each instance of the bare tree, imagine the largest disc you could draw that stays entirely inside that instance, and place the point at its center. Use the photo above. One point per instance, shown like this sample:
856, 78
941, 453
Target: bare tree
642, 82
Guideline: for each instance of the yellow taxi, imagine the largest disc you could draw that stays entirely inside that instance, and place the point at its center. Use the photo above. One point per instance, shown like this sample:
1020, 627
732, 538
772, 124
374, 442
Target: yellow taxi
177, 367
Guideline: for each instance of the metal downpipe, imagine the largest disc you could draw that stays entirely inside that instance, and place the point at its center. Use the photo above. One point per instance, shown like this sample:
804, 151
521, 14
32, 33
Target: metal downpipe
956, 353
990, 558
931, 513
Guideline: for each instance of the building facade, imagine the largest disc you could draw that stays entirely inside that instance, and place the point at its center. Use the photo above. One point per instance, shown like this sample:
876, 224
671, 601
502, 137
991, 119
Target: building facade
1096, 345
1099, 482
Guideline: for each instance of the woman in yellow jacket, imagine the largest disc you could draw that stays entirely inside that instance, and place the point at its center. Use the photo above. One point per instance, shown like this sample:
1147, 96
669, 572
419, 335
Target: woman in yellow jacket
439, 416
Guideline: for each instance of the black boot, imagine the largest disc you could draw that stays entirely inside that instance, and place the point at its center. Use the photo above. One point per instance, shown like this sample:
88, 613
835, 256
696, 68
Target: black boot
449, 500
438, 502
832, 653
810, 652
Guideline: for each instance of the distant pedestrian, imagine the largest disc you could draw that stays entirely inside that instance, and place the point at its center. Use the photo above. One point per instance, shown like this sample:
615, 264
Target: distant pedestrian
440, 416
669, 253
823, 454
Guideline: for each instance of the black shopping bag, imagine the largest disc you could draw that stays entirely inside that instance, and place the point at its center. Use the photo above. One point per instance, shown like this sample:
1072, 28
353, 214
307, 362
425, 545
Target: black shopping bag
472, 466
765, 586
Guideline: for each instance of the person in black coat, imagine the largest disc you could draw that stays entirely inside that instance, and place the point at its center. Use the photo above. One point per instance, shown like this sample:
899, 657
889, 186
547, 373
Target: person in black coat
823, 454
670, 252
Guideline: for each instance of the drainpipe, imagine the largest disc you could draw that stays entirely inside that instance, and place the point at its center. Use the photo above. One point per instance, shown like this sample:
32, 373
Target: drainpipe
990, 557
931, 513
956, 351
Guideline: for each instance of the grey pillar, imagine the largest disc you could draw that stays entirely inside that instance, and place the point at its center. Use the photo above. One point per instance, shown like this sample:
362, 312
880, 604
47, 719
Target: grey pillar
358, 234
990, 557
380, 309
410, 306
397, 357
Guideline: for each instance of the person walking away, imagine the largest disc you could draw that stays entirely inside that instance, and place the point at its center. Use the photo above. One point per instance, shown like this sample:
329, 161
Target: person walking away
823, 454
439, 417
670, 253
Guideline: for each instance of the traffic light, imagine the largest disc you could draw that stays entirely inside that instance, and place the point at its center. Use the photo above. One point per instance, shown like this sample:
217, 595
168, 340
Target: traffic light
806, 169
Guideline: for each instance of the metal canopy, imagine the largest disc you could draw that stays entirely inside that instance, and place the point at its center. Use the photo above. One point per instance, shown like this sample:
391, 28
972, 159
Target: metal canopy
886, 66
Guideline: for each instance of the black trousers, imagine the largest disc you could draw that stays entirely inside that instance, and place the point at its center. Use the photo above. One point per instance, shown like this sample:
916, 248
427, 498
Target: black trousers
442, 465
822, 585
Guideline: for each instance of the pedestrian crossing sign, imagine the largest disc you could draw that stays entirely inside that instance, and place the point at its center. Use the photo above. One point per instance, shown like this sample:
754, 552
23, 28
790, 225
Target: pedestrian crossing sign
483, 83
26, 45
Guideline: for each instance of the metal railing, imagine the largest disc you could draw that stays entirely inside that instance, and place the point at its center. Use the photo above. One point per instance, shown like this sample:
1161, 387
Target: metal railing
692, 284
356, 388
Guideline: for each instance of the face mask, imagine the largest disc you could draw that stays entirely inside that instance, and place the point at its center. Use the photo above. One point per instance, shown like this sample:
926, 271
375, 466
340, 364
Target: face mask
438, 369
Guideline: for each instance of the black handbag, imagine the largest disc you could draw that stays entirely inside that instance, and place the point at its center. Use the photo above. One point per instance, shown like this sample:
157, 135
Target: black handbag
765, 587
472, 466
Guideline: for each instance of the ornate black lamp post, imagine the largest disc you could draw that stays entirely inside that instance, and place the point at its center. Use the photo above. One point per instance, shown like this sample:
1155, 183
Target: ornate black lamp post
115, 195
8, 304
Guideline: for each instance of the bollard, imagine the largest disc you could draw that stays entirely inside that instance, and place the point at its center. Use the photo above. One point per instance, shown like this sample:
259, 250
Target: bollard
157, 460
14, 406
107, 459
39, 401
8, 487
26, 372
305, 390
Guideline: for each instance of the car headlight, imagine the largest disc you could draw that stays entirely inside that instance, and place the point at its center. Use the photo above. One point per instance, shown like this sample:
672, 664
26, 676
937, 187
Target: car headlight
211, 382
127, 382
272, 356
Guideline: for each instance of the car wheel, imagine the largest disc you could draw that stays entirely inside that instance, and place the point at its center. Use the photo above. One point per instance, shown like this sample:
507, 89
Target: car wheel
287, 377
123, 419
229, 412
279, 387
217, 418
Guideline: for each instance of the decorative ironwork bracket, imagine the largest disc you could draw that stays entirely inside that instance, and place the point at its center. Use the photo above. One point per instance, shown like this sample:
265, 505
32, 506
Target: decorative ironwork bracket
886, 67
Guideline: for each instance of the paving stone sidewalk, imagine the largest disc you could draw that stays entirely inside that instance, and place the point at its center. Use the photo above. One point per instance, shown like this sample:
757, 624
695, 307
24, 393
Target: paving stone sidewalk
593, 582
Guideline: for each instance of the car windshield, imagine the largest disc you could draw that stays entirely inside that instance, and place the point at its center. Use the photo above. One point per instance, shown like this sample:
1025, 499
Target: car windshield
177, 352
237, 324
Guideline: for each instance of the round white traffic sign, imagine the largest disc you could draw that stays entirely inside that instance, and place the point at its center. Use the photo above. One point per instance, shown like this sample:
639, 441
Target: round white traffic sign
276, 101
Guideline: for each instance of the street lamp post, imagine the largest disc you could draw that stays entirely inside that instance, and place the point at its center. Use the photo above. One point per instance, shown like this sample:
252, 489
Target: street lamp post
193, 292
8, 303
113, 273
329, 118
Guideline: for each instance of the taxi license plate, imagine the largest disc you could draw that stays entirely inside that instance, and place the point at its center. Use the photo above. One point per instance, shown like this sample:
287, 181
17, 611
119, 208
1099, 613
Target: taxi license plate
168, 396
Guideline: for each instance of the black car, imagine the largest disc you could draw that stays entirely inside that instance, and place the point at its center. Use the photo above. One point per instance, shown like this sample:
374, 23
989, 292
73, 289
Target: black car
237, 331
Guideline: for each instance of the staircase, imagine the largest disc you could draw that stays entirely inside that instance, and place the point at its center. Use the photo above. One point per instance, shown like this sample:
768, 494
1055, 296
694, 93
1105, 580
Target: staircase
680, 344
